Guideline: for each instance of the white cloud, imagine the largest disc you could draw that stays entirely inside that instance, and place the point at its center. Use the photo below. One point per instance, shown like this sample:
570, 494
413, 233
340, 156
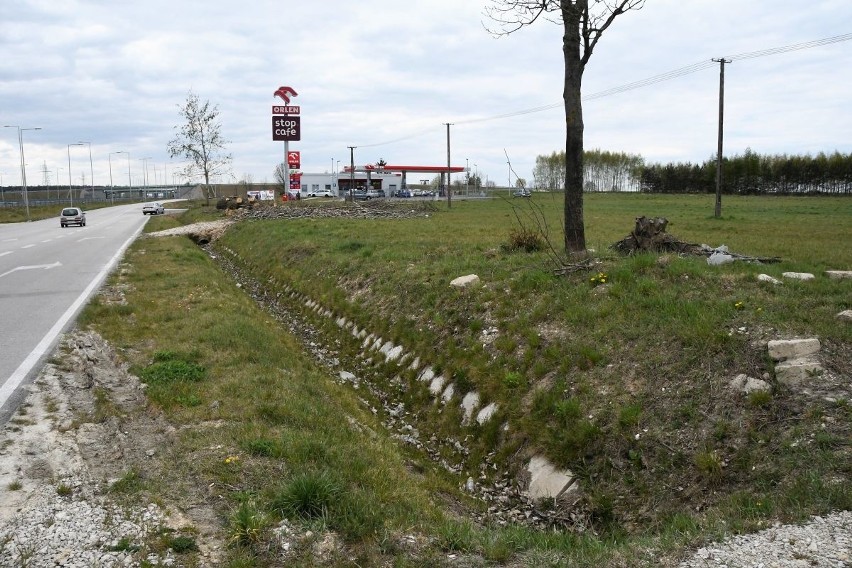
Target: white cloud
383, 70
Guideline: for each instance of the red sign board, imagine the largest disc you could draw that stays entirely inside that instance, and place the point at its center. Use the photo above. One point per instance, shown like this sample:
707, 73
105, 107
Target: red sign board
294, 160
286, 109
286, 128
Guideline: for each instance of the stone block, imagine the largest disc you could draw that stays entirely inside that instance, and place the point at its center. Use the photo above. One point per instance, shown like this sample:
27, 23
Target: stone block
796, 371
469, 403
437, 385
486, 413
780, 349
465, 281
767, 278
838, 274
798, 275
845, 315
747, 384
547, 482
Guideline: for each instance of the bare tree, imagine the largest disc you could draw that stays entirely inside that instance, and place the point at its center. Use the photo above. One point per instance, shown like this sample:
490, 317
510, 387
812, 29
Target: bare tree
584, 21
200, 141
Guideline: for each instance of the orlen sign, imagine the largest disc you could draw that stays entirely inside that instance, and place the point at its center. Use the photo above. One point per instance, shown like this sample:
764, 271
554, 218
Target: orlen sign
286, 128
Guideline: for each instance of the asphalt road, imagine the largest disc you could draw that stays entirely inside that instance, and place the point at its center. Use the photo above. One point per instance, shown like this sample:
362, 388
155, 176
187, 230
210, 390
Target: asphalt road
47, 274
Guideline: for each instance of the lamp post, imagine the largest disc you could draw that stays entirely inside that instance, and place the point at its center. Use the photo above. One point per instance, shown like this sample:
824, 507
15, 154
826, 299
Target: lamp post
23, 166
476, 170
144, 176
467, 176
58, 169
111, 186
91, 169
352, 173
70, 190
109, 157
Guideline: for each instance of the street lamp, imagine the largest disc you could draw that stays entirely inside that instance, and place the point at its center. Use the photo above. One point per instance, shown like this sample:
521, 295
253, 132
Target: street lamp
109, 157
23, 167
144, 176
58, 169
70, 190
111, 186
91, 169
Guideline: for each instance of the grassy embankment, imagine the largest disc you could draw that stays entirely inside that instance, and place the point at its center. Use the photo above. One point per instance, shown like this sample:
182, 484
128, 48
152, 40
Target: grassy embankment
620, 374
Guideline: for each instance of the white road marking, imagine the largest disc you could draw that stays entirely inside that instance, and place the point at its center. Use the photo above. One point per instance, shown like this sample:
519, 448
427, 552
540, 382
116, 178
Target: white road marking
33, 267
16, 378
5, 253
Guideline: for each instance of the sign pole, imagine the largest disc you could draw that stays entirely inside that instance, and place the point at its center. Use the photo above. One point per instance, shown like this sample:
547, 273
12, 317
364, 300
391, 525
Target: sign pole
287, 168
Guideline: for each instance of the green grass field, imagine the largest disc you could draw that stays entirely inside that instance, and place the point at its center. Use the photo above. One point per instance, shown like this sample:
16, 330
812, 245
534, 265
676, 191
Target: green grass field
619, 374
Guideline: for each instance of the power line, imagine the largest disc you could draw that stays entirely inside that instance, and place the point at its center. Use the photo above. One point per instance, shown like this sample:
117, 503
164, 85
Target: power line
667, 76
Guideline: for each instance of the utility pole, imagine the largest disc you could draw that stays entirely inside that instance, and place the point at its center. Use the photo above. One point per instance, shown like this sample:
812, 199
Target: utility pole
722, 61
351, 172
449, 189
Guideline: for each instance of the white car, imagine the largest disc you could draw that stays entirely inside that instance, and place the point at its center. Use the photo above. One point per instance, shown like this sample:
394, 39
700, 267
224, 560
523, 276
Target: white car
153, 209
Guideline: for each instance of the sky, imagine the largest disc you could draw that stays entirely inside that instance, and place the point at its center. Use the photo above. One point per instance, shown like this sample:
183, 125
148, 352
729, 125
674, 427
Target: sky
386, 76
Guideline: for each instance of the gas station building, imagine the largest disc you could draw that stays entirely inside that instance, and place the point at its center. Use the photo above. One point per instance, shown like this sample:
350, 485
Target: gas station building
389, 178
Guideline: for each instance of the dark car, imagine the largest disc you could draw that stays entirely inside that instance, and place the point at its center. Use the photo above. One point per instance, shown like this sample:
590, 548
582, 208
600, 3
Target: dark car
72, 216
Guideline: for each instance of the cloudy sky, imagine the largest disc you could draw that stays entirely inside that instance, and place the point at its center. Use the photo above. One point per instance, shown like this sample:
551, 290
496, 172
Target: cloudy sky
385, 75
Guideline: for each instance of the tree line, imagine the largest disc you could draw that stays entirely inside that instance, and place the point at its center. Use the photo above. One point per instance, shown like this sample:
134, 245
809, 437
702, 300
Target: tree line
749, 173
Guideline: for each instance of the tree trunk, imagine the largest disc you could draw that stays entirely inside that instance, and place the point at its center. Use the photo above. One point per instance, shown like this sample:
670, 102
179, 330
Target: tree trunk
575, 235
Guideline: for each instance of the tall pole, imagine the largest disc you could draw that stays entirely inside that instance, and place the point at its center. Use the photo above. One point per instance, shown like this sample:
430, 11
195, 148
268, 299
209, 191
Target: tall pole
111, 186
351, 172
144, 177
449, 190
70, 189
286, 169
718, 210
23, 165
467, 176
129, 179
91, 169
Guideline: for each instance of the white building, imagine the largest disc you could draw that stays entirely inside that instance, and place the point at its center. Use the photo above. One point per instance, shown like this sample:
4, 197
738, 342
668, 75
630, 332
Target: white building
339, 183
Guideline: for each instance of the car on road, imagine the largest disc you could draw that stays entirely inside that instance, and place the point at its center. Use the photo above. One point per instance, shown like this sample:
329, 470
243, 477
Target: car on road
375, 193
360, 195
321, 193
153, 209
522, 193
72, 216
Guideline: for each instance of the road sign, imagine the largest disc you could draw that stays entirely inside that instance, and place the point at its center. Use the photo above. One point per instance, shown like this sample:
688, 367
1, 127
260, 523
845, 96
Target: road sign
286, 128
288, 109
294, 160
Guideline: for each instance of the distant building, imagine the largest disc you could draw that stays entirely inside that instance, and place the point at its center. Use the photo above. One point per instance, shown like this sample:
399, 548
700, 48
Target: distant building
339, 183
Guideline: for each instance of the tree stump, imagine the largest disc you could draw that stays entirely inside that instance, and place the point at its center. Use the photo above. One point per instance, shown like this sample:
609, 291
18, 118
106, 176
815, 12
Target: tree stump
649, 235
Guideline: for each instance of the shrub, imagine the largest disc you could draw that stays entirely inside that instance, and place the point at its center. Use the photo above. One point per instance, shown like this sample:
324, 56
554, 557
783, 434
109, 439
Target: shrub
525, 239
308, 495
709, 464
247, 524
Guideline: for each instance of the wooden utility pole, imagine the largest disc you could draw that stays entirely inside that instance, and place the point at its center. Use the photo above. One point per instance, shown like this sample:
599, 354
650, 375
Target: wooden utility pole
722, 61
449, 190
352, 172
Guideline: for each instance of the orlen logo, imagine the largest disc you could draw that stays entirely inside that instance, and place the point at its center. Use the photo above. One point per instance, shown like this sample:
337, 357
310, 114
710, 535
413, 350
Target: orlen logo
284, 93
